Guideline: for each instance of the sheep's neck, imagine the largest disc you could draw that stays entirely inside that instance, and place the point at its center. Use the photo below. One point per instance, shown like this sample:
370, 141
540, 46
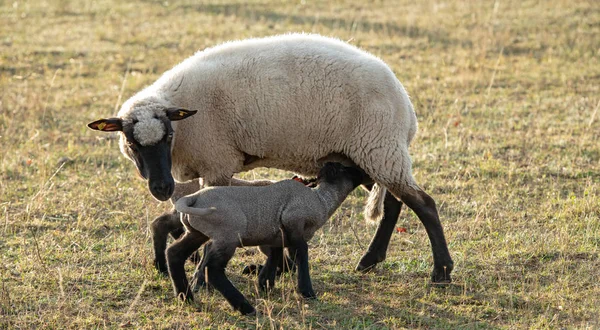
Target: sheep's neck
333, 194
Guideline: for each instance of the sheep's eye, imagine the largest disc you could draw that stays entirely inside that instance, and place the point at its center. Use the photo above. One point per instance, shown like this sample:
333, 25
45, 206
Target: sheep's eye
169, 137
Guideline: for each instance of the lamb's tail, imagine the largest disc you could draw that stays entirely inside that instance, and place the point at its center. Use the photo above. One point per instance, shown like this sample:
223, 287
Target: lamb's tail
183, 205
374, 208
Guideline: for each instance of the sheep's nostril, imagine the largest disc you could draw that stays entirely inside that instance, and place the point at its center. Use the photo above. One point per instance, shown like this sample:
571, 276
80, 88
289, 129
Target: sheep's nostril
161, 190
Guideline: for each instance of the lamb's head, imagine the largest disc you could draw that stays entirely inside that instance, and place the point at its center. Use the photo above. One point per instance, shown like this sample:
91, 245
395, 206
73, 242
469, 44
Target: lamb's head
335, 172
146, 135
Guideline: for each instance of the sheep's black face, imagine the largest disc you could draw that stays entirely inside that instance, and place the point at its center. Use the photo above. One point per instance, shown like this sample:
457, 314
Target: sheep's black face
147, 143
153, 162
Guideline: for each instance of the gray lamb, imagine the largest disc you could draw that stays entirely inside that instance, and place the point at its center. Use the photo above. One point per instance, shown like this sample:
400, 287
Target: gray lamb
286, 213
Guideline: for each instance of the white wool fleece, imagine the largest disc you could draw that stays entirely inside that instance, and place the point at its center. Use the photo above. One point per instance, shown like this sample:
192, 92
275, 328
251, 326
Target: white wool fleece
148, 131
289, 102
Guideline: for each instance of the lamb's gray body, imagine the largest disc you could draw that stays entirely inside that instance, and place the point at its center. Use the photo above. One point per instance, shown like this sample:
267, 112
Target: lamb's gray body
251, 216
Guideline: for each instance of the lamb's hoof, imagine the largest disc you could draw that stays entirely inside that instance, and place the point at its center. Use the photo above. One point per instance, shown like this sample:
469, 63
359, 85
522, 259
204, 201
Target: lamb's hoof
368, 262
187, 298
161, 268
247, 309
252, 269
441, 276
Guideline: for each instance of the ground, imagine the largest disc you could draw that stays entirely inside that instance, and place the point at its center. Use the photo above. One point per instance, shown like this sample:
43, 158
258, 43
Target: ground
507, 98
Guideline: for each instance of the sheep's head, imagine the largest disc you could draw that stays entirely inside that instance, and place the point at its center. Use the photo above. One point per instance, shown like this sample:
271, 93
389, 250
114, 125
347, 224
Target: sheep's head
146, 141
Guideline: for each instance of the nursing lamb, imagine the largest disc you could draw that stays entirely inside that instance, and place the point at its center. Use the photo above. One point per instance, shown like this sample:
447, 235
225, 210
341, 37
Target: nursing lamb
286, 213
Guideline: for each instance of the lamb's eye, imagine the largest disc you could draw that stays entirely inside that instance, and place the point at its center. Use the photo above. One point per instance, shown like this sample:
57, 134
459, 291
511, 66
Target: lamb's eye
169, 137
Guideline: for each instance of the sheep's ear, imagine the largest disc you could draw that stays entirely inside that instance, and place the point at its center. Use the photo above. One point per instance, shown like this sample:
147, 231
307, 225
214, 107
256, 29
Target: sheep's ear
179, 114
107, 125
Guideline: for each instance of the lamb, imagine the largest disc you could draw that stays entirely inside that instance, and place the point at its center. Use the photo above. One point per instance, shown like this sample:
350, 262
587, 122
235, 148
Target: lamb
286, 213
291, 102
169, 224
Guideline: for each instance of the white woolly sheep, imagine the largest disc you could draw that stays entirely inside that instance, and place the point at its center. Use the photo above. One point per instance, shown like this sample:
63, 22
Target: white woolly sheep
290, 102
286, 213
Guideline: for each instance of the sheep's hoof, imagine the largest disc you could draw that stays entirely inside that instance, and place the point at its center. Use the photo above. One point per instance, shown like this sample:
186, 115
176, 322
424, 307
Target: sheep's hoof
441, 276
309, 294
364, 269
367, 262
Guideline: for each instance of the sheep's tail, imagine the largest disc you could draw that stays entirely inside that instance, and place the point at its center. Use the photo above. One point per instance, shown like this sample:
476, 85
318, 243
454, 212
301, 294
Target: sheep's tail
183, 206
374, 208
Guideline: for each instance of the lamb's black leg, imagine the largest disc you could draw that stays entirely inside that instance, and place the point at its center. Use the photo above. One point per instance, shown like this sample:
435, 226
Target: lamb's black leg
166, 223
379, 245
266, 277
199, 280
177, 254
196, 258
287, 264
217, 259
299, 249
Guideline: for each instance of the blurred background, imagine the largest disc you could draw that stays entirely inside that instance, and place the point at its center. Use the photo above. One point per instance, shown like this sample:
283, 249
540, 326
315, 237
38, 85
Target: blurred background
507, 97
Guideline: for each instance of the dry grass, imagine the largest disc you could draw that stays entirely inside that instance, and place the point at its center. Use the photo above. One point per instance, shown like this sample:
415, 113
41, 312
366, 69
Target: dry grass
507, 95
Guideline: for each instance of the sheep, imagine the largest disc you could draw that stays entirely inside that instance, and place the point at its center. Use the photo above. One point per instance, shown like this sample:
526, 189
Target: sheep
286, 213
291, 102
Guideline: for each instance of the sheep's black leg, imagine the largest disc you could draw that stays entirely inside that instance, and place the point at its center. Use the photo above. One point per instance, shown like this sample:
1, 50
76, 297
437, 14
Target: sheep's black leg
217, 259
266, 277
177, 254
424, 206
299, 249
379, 244
166, 223
199, 280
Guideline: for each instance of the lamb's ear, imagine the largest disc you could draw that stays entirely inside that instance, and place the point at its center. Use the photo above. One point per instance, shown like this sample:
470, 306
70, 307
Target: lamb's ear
328, 172
107, 125
179, 114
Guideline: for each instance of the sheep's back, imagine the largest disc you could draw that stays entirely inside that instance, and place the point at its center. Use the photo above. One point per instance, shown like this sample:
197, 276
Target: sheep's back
294, 99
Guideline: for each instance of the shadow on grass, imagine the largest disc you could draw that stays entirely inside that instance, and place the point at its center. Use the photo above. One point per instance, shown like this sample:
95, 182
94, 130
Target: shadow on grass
352, 300
364, 300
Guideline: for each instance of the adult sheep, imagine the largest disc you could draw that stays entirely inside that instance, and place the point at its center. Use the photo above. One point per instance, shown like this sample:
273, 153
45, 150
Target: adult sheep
290, 102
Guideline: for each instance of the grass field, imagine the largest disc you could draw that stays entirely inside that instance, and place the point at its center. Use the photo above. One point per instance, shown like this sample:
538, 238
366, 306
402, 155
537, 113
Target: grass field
507, 94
